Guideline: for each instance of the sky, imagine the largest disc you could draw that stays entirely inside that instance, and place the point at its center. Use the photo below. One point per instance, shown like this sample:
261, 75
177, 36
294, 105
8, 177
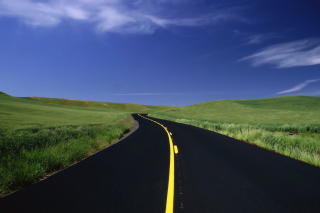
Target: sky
159, 52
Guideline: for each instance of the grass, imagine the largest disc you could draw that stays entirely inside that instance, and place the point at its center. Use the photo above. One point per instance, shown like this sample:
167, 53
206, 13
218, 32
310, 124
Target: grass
37, 138
279, 110
17, 113
104, 105
269, 121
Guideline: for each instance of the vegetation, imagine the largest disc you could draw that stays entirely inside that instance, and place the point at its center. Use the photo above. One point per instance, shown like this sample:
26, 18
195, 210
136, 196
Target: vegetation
279, 110
17, 113
37, 139
2, 93
104, 105
264, 122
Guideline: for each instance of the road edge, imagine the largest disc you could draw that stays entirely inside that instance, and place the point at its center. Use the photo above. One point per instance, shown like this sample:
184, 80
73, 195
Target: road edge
133, 129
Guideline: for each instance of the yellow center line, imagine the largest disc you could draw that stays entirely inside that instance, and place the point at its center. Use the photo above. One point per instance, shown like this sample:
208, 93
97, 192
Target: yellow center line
170, 194
175, 149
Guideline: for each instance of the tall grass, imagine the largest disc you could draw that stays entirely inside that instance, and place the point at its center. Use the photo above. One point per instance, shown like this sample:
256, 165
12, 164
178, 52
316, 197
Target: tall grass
28, 155
304, 147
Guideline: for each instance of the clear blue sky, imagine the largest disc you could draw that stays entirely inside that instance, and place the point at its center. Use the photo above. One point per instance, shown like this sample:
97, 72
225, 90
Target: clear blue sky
159, 52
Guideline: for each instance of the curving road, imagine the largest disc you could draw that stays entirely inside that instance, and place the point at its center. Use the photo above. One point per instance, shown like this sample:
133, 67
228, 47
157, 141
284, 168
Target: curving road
212, 173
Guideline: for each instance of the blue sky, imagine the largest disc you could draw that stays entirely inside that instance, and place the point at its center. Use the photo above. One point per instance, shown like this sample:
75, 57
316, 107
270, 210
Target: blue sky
159, 52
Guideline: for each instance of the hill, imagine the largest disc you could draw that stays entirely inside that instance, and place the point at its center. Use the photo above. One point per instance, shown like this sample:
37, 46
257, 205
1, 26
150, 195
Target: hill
105, 105
278, 110
2, 93
18, 113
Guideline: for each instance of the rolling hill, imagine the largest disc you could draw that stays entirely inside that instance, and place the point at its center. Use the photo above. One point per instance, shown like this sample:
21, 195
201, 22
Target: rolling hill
278, 110
33, 112
105, 105
18, 113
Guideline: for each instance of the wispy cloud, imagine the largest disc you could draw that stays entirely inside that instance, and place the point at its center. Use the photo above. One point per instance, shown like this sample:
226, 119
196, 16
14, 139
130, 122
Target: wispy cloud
122, 16
299, 86
293, 54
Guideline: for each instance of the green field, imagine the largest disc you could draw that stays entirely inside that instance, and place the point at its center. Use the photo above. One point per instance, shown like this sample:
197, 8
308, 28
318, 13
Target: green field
39, 136
17, 113
104, 105
264, 122
279, 110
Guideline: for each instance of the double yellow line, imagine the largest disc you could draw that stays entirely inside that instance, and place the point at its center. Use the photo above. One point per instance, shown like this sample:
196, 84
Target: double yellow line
170, 194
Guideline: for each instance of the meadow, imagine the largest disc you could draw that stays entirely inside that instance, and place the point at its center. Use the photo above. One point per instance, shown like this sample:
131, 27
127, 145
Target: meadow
38, 137
264, 123
104, 105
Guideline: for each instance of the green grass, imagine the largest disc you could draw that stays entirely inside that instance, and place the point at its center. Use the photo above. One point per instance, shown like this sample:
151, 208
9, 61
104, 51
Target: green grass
268, 119
17, 113
279, 110
104, 105
37, 138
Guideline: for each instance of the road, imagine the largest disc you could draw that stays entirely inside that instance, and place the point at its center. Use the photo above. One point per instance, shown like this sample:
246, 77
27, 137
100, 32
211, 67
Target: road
212, 173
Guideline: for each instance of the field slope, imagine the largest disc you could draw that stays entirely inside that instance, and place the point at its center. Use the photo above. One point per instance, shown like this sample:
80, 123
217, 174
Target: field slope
279, 110
105, 105
17, 113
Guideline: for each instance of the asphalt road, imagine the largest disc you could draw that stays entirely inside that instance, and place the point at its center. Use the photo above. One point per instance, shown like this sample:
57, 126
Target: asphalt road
213, 173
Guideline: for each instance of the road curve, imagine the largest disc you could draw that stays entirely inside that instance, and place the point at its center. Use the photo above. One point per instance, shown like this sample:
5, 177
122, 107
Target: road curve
129, 176
213, 173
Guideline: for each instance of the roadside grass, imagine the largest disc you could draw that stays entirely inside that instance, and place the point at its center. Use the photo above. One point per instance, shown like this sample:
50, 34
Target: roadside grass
27, 157
104, 105
264, 123
37, 139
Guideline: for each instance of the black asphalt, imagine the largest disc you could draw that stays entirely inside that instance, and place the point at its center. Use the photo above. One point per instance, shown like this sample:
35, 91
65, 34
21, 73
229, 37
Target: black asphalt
213, 173
129, 176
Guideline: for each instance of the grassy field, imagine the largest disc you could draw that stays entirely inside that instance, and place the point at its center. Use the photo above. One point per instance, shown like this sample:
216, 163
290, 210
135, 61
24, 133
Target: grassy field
17, 113
39, 136
279, 110
264, 122
104, 105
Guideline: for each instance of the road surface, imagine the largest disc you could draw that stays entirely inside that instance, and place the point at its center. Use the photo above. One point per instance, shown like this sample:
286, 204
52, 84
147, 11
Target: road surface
212, 173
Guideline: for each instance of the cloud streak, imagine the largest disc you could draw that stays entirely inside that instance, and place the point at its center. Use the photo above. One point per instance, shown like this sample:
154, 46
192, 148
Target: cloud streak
119, 16
293, 54
299, 86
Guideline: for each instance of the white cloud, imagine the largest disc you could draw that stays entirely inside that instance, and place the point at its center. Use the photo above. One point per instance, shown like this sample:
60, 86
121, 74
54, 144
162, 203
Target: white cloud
293, 54
110, 19
122, 16
299, 86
